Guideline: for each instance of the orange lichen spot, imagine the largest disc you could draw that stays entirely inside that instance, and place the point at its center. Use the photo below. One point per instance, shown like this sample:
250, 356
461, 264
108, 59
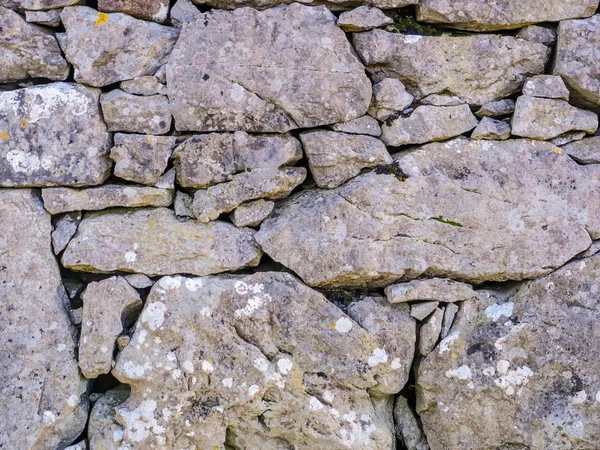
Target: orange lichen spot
4, 136
102, 18
454, 355
557, 150
332, 325
149, 137
24, 122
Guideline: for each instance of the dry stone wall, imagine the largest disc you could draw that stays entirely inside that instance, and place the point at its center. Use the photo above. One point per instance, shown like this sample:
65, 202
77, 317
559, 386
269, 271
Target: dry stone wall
328, 225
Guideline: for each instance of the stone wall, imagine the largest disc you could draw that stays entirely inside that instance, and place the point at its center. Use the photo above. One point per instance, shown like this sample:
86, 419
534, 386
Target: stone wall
264, 225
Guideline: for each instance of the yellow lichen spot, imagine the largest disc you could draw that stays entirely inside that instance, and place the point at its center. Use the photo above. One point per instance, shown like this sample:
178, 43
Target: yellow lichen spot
4, 136
557, 150
332, 325
102, 18
454, 355
24, 122
149, 137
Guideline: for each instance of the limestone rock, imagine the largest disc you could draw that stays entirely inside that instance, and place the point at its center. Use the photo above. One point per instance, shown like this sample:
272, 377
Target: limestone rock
140, 158
123, 341
251, 214
481, 15
420, 311
363, 18
146, 85
389, 97
28, 51
518, 370
541, 35
64, 229
103, 412
567, 138
586, 151
268, 83
409, 430
442, 100
428, 123
546, 86
152, 241
167, 180
139, 280
213, 158
577, 62
469, 210
434, 289
269, 184
492, 129
307, 367
155, 10
36, 5
82, 445
184, 204
497, 108
430, 332
49, 18
107, 48
136, 114
182, 12
43, 396
592, 250
361, 125
52, 135
331, 4
334, 158
479, 68
449, 315
109, 307
543, 118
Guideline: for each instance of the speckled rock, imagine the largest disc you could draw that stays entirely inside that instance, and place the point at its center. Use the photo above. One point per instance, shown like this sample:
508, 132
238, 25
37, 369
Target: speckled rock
450, 312
184, 204
64, 229
498, 108
389, 97
49, 18
430, 332
141, 158
361, 125
107, 48
251, 214
438, 289
288, 67
481, 15
586, 151
139, 280
442, 100
331, 4
363, 18
491, 129
421, 310
568, 137
102, 416
453, 65
52, 135
36, 5
543, 118
82, 445
59, 200
409, 429
43, 396
152, 241
428, 123
146, 85
518, 370
200, 331
464, 209
546, 86
136, 114
167, 180
541, 35
334, 158
155, 10
109, 307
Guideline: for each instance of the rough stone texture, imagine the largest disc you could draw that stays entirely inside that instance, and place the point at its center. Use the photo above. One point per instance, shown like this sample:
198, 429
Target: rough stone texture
283, 334
522, 355
569, 137
450, 312
442, 100
490, 222
60, 200
478, 69
428, 123
152, 241
184, 205
28, 51
82, 445
492, 129
481, 15
436, 289
147, 85
543, 118
363, 18
103, 414
389, 97
586, 151
167, 180
155, 10
546, 86
287, 67
535, 33
109, 307
136, 114
52, 135
430, 332
64, 229
140, 158
107, 48
139, 280
270, 184
208, 159
182, 12
421, 310
331, 4
497, 108
576, 60
362, 125
49, 18
251, 214
42, 395
409, 429
334, 158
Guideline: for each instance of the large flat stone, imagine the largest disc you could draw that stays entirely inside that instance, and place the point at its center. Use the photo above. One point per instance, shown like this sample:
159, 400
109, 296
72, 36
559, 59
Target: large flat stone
331, 4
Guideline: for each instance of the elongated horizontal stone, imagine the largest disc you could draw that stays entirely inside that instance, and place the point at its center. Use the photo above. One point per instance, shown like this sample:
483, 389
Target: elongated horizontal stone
586, 151
135, 113
433, 289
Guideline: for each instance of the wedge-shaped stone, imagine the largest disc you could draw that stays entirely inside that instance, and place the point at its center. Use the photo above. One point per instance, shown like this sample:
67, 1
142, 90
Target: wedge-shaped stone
146, 85
43, 398
478, 69
314, 364
251, 214
362, 125
52, 135
546, 86
389, 97
491, 129
49, 18
284, 68
59, 200
586, 151
107, 48
64, 229
469, 210
482, 15
135, 113
497, 108
535, 33
430, 332
155, 10
36, 5
434, 289
363, 18
152, 241
511, 353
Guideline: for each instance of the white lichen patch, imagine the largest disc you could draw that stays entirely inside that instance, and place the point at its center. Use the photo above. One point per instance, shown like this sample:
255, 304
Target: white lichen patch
356, 433
261, 364
512, 381
193, 284
252, 390
49, 418
253, 304
170, 282
188, 367
207, 366
378, 356
396, 364
284, 365
496, 311
227, 382
140, 422
579, 397
343, 325
462, 373
448, 341
315, 404
154, 315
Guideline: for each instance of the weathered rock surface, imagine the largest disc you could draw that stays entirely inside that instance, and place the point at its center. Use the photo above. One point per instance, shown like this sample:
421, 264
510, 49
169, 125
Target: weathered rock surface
270, 184
140, 158
428, 123
184, 204
586, 151
43, 397
363, 18
49, 18
546, 86
518, 370
568, 137
331, 4
541, 35
182, 12
492, 129
109, 307
481, 15
64, 229
195, 333
543, 118
155, 10
167, 180
334, 158
450, 312
59, 200
409, 429
107, 48
361, 125
139, 280
498, 108
288, 67
389, 97
442, 100
453, 65
251, 214
430, 332
52, 135
152, 241
469, 210
435, 289
421, 310
135, 113
146, 85
102, 416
